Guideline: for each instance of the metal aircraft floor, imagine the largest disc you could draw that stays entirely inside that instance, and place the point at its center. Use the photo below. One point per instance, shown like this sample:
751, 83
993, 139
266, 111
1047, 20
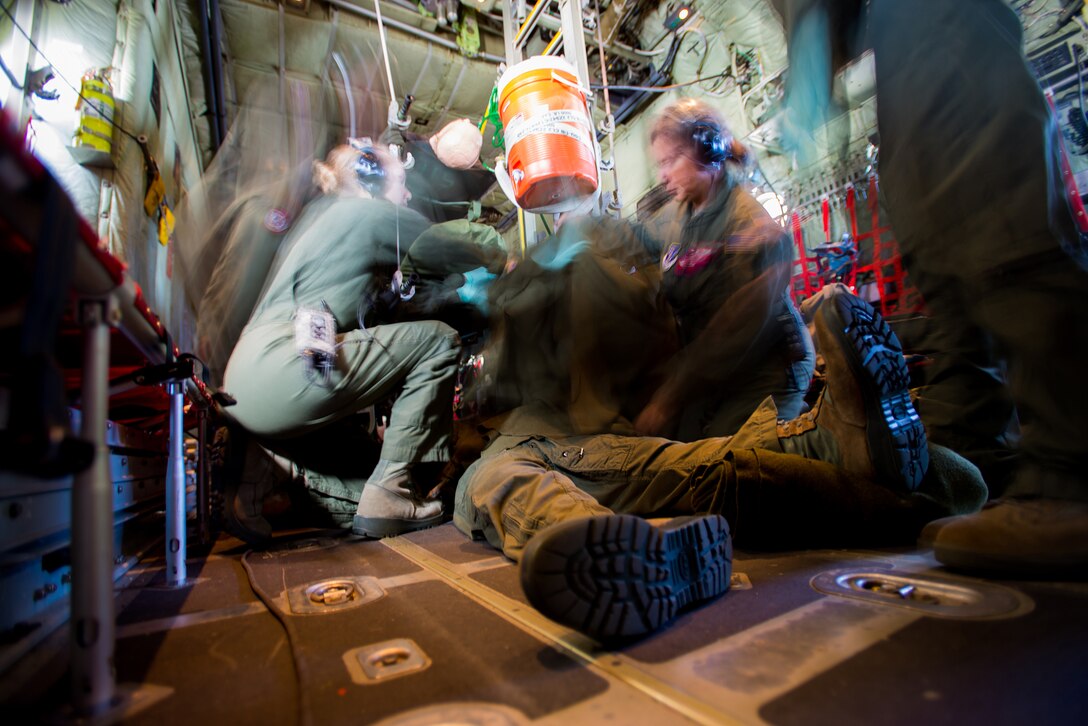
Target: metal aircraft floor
432, 628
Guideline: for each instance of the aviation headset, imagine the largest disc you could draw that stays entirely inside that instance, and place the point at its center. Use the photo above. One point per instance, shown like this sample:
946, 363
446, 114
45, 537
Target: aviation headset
369, 171
712, 148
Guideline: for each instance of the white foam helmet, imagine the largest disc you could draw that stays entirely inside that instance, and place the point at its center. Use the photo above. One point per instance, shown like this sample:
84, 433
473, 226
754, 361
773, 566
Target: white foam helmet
458, 144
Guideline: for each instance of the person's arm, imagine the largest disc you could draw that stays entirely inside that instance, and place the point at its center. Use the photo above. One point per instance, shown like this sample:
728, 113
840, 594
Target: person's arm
740, 327
654, 234
808, 80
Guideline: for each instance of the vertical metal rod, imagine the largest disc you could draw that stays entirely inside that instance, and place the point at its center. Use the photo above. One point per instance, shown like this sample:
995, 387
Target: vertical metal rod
175, 490
202, 477
574, 42
92, 621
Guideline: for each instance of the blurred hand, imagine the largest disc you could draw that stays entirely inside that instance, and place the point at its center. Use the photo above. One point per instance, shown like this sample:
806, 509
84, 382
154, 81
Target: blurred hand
655, 419
393, 120
565, 256
474, 289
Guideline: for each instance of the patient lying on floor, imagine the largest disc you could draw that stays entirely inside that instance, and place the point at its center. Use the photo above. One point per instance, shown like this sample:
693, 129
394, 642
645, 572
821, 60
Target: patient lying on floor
580, 340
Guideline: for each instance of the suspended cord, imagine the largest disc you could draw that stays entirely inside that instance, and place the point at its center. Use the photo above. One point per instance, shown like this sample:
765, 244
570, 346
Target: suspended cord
608, 109
399, 280
57, 73
385, 51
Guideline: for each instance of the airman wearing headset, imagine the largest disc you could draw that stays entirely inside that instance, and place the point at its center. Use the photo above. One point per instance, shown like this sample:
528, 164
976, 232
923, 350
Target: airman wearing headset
726, 266
313, 355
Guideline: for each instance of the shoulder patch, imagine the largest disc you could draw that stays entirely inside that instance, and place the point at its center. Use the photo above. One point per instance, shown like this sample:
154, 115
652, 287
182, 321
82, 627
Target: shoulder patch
276, 221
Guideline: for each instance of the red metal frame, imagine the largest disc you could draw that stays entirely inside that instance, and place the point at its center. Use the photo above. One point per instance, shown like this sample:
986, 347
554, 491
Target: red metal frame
896, 294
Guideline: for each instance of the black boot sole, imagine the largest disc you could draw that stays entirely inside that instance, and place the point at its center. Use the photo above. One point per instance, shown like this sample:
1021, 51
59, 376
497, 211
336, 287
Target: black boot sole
377, 527
618, 576
896, 435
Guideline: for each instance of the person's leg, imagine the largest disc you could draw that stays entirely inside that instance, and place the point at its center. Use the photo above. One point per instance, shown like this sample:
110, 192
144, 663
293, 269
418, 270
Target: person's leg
963, 398
417, 359
970, 171
420, 359
873, 439
1040, 527
512, 493
615, 575
864, 421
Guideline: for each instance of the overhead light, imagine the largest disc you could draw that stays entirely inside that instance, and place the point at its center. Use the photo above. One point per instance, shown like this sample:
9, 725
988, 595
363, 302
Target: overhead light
773, 203
677, 16
302, 6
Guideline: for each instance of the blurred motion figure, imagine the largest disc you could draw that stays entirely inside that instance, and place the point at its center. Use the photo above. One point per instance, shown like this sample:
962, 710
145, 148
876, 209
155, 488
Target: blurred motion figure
319, 348
970, 173
726, 269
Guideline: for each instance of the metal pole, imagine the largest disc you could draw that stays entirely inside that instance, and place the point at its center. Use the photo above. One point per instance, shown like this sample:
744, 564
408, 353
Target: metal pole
574, 42
514, 55
175, 489
92, 622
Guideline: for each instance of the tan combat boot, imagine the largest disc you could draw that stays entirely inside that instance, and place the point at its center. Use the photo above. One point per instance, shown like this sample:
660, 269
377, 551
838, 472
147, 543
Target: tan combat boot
391, 503
864, 421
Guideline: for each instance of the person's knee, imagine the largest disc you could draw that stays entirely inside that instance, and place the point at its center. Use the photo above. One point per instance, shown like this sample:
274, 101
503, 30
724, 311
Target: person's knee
445, 337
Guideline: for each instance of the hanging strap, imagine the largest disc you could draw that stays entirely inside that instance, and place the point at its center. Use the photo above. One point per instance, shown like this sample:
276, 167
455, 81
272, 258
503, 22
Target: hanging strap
385, 50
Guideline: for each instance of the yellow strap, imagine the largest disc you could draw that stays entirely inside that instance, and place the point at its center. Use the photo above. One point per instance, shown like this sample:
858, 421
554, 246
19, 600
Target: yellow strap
156, 191
100, 99
96, 126
94, 141
166, 224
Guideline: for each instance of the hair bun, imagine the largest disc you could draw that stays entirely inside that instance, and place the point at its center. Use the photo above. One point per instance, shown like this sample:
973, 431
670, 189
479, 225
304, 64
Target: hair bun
739, 151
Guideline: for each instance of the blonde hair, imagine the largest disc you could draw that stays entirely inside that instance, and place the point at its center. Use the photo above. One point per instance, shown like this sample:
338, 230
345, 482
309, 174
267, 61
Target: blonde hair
336, 174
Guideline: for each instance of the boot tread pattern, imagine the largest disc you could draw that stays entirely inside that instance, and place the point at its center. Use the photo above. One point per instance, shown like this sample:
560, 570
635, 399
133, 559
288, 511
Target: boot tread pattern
618, 576
880, 359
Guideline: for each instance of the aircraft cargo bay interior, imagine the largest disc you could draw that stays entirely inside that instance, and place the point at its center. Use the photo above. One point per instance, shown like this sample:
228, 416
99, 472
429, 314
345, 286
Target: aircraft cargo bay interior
543, 361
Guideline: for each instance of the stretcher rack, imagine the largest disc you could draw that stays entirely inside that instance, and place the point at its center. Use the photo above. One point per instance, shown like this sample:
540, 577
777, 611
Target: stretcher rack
83, 312
895, 294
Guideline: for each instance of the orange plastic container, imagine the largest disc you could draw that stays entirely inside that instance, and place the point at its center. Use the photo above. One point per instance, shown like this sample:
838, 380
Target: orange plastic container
550, 151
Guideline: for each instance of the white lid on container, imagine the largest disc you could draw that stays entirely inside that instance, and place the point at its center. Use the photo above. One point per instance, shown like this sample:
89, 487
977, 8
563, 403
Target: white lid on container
536, 63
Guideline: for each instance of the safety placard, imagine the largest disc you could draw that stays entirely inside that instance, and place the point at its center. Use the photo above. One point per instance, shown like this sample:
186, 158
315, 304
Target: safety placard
561, 122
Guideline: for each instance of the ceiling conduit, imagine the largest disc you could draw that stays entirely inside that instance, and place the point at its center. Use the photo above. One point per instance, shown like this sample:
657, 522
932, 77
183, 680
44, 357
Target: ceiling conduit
209, 78
412, 30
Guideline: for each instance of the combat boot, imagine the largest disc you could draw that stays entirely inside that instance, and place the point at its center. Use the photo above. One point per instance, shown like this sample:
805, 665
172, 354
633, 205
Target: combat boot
864, 421
1028, 537
391, 503
247, 486
619, 576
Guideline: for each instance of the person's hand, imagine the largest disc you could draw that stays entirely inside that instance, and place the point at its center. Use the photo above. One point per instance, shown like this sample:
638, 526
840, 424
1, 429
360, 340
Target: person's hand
474, 289
565, 256
393, 118
655, 418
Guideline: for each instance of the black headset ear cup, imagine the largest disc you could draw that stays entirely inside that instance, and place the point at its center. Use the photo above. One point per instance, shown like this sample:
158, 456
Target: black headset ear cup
710, 145
370, 172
